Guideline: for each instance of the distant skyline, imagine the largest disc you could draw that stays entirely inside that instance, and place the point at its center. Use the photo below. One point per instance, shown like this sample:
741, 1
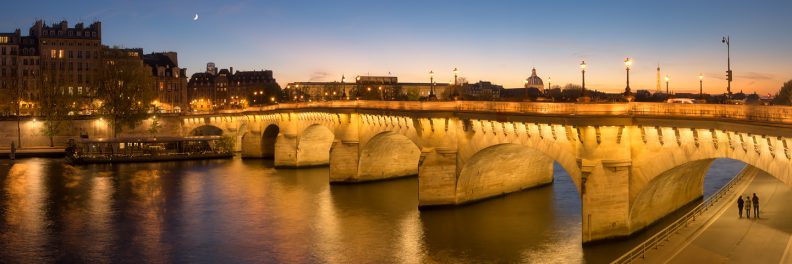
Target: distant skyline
498, 42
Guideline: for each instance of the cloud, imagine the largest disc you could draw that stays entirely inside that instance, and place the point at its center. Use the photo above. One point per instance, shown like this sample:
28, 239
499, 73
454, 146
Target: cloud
754, 76
319, 76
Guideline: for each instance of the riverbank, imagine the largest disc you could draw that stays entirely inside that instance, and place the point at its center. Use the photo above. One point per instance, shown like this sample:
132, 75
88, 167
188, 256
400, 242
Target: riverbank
34, 152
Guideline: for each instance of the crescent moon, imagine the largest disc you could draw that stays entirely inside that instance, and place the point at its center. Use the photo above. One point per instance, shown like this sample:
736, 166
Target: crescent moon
196, 17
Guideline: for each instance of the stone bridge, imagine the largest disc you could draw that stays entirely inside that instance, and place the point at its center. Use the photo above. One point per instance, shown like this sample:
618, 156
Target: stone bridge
632, 163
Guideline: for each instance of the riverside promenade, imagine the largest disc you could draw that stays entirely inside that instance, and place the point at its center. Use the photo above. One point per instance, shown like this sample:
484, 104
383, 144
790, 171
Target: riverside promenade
726, 238
33, 152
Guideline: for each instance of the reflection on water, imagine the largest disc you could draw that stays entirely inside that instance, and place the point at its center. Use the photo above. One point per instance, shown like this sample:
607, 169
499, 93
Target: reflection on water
245, 211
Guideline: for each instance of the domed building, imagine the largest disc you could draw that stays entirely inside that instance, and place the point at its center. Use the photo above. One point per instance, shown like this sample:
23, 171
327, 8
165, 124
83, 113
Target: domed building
534, 81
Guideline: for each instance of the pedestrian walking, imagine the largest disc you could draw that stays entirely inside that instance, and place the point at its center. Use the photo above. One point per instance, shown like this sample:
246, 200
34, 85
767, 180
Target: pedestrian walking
755, 201
747, 206
740, 205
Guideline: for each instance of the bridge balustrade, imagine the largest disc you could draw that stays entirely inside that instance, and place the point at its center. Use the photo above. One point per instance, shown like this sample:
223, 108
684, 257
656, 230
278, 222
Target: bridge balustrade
773, 114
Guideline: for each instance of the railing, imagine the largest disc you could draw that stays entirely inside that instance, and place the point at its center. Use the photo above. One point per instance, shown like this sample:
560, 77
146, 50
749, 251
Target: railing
753, 113
662, 236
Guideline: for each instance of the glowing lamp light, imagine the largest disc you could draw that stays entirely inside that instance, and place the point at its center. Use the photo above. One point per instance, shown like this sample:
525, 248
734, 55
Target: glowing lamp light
666, 78
628, 62
701, 76
583, 65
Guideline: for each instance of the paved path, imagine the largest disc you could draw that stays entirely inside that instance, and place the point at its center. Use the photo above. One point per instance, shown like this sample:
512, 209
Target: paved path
33, 152
730, 239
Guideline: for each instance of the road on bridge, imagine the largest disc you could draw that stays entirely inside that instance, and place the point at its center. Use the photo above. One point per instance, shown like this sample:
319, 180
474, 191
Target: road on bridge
730, 239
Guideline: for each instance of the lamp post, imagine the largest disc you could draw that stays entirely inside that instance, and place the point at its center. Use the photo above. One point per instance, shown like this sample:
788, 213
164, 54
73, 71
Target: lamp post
299, 91
549, 84
357, 87
432, 95
701, 86
583, 66
456, 72
627, 94
526, 90
728, 66
343, 88
382, 95
666, 80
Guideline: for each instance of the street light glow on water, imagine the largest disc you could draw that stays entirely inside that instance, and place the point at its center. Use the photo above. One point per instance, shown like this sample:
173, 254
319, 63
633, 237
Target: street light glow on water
232, 211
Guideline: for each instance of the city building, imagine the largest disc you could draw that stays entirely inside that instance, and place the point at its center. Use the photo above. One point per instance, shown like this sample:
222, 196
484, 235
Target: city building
226, 88
57, 57
170, 81
9, 71
534, 81
60, 60
366, 88
481, 91
70, 59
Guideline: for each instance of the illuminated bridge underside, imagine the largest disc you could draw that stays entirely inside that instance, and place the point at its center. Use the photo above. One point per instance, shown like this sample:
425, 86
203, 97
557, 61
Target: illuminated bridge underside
630, 167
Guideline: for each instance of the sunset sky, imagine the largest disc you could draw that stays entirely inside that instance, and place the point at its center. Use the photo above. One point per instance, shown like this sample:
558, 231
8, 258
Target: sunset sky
498, 41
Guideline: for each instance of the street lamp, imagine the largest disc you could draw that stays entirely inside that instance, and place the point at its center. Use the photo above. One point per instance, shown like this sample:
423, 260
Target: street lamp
432, 95
456, 72
343, 88
666, 80
701, 86
382, 96
583, 75
357, 87
728, 65
549, 83
627, 94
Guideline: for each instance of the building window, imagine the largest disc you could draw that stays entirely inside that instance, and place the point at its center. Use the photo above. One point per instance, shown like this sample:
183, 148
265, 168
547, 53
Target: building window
60, 54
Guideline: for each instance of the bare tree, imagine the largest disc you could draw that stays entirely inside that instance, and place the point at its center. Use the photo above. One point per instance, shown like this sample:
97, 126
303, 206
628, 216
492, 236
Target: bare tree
54, 106
784, 95
125, 87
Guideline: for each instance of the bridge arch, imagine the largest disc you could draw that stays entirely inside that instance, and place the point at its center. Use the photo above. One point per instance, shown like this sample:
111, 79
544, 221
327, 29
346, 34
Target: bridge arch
501, 169
388, 155
206, 130
260, 145
313, 145
682, 181
268, 139
668, 192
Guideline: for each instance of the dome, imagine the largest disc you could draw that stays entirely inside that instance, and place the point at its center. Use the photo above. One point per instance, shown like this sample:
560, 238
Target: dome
534, 81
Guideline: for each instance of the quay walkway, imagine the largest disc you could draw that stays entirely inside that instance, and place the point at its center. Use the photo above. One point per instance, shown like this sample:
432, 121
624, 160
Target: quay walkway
724, 237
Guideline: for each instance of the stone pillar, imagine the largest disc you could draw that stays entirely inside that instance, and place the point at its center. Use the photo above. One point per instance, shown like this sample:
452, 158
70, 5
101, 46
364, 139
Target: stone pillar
605, 160
345, 153
437, 177
344, 158
605, 191
251, 145
286, 151
286, 143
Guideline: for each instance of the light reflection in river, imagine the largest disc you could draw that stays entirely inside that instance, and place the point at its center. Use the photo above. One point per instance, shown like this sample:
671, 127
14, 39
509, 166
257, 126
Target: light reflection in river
245, 211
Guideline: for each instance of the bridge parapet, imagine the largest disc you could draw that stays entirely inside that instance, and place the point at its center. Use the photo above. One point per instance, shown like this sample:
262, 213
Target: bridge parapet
752, 113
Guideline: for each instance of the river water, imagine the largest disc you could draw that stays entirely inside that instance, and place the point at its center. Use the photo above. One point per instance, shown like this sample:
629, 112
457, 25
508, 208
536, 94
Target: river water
245, 211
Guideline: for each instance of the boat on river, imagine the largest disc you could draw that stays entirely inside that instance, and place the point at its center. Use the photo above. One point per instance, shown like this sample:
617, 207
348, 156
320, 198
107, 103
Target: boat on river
146, 149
